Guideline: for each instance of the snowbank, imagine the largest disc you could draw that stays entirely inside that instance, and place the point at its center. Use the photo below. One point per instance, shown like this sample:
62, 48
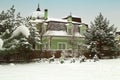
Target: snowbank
21, 30
101, 70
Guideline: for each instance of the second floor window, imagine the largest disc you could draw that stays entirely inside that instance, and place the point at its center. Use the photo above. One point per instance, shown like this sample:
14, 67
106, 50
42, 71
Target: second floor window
61, 46
70, 31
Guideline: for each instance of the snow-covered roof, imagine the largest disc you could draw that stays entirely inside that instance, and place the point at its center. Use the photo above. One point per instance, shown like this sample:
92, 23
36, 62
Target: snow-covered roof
55, 33
37, 14
73, 16
60, 20
55, 19
52, 19
21, 30
60, 33
77, 34
36, 21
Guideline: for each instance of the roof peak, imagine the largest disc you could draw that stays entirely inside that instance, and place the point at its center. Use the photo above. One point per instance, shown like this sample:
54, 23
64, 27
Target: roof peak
38, 9
70, 14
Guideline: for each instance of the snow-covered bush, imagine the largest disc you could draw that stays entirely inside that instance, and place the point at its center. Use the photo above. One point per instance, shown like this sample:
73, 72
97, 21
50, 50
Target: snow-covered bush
21, 30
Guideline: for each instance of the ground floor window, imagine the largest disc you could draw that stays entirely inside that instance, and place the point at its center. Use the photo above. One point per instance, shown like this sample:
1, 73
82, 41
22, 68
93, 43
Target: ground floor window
62, 45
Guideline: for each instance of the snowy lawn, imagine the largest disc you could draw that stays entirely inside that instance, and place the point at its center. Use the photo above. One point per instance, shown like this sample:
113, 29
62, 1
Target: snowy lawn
101, 70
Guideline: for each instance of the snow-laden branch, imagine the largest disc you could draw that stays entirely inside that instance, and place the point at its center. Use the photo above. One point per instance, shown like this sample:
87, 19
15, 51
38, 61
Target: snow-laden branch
21, 30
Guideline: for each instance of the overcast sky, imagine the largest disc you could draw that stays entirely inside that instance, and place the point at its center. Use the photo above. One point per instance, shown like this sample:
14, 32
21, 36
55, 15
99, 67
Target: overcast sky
86, 9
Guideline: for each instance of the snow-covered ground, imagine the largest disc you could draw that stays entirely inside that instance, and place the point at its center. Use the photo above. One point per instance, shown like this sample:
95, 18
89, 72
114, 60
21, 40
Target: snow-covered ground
101, 70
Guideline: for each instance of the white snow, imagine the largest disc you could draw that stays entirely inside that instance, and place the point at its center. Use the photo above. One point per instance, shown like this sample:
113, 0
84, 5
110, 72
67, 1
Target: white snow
67, 24
55, 19
79, 35
1, 43
3, 22
60, 20
36, 21
37, 14
55, 33
101, 70
51, 19
46, 24
21, 30
7, 30
60, 33
73, 16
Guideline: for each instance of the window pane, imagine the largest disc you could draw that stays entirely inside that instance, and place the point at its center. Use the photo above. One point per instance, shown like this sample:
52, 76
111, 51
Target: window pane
62, 46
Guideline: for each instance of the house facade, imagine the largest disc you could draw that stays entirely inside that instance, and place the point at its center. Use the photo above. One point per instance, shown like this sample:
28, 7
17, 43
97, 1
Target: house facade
59, 34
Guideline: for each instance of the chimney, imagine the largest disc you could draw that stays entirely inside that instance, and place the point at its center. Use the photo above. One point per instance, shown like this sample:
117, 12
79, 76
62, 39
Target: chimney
46, 14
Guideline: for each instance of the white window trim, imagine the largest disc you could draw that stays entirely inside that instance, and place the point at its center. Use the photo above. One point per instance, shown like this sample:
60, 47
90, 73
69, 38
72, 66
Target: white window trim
61, 43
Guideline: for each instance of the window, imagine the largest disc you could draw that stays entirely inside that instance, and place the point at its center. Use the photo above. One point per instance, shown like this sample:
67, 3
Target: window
61, 45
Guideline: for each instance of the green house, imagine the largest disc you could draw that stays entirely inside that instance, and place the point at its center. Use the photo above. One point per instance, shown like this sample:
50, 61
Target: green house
59, 34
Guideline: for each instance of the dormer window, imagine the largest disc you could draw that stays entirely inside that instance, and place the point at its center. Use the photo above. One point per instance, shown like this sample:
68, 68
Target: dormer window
69, 28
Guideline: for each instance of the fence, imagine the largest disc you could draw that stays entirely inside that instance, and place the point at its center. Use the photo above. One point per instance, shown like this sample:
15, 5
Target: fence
22, 57
37, 54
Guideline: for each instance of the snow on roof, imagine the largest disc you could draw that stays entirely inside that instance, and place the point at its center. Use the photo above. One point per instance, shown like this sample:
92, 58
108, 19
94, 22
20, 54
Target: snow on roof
61, 33
55, 19
60, 20
55, 33
37, 14
77, 34
73, 16
21, 29
36, 21
49, 19
1, 43
52, 19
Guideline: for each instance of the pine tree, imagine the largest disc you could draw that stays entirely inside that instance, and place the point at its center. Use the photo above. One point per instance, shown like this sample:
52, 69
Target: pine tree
100, 35
6, 20
34, 38
9, 22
